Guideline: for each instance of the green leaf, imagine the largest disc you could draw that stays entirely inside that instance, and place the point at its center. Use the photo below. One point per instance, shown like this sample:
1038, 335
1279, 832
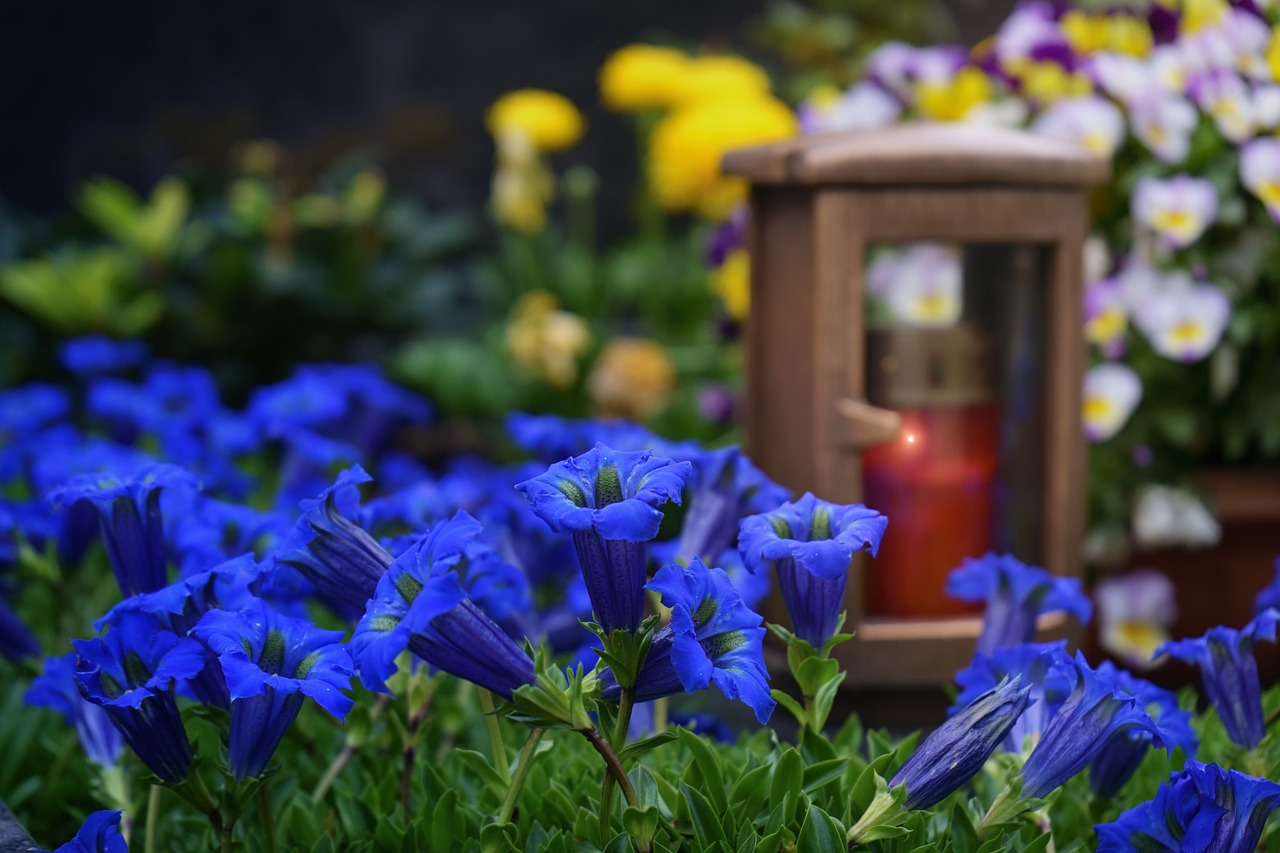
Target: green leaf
646, 787
498, 838
632, 751
708, 764
443, 818
707, 828
641, 824
748, 794
787, 782
963, 836
479, 764
823, 773
821, 833
785, 700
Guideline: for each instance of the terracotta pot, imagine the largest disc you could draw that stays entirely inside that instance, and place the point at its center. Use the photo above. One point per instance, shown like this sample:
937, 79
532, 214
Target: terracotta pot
1217, 585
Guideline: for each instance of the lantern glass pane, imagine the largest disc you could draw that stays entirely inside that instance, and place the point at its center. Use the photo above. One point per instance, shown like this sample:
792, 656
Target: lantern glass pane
955, 345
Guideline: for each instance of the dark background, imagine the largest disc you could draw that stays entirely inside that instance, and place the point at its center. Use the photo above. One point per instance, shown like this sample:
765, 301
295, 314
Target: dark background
139, 88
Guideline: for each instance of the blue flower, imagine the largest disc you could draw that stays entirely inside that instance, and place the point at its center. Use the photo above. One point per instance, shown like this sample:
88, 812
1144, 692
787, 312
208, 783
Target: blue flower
98, 355
271, 662
608, 500
725, 487
1269, 597
99, 834
215, 531
1016, 595
130, 520
1119, 760
956, 750
131, 672
812, 543
179, 606
1203, 808
420, 605
56, 688
1229, 673
30, 408
551, 437
1093, 714
1047, 685
712, 638
17, 643
332, 551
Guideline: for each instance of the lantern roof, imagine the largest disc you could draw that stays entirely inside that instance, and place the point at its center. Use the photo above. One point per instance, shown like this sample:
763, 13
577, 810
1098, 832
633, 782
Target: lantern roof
921, 154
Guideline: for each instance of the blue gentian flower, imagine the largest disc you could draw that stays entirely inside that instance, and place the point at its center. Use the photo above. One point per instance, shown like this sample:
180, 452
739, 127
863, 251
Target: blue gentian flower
17, 643
180, 606
725, 487
1269, 597
56, 688
271, 662
98, 355
100, 833
1048, 686
1203, 808
712, 638
812, 543
608, 500
1229, 673
1119, 760
131, 672
1015, 595
420, 605
552, 437
1093, 714
130, 520
332, 551
215, 531
956, 750
30, 408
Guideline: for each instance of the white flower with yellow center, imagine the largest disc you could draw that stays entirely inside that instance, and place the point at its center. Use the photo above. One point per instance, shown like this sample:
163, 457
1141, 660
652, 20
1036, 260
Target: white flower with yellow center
1179, 209
1164, 123
1111, 393
1092, 122
924, 287
1135, 612
1260, 172
1165, 517
1225, 96
1182, 320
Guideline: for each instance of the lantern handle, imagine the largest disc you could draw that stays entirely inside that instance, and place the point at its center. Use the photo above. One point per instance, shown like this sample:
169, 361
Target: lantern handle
864, 425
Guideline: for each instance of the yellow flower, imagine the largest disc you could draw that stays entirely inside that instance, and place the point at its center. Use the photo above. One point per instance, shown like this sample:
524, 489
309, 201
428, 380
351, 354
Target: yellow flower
549, 120
952, 100
1199, 14
1273, 53
708, 78
545, 340
732, 283
688, 144
1089, 33
1046, 82
522, 184
633, 378
641, 76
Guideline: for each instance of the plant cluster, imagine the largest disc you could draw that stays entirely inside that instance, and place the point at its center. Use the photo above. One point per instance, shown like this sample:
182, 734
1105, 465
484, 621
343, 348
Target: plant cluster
507, 645
1181, 304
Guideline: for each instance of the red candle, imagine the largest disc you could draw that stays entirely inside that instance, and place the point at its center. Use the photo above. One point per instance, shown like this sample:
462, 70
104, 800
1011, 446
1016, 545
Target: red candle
936, 483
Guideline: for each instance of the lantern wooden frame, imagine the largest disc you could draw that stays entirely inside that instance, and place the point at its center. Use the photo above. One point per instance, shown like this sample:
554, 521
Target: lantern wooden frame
817, 203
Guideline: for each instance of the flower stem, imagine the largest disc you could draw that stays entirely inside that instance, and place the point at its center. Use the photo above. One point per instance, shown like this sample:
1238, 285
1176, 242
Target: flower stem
496, 744
523, 764
268, 819
612, 763
348, 751
411, 746
153, 818
626, 703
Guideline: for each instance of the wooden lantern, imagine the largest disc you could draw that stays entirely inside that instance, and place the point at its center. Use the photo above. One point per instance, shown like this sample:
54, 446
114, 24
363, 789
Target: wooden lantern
820, 207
